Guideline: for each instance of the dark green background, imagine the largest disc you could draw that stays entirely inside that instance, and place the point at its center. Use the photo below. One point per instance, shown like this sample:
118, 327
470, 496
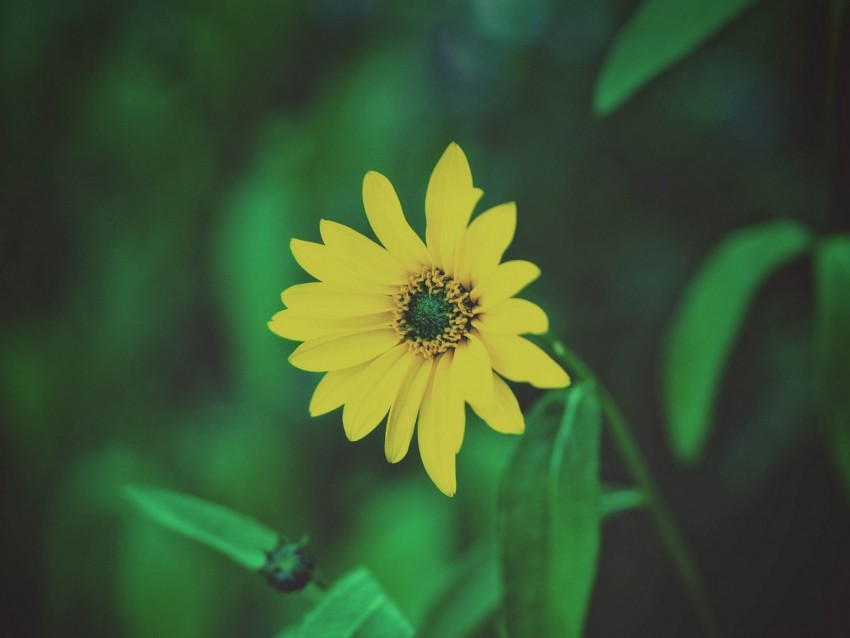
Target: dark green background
158, 156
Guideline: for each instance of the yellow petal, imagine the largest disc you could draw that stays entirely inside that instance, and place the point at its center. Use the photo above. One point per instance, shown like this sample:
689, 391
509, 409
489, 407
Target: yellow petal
504, 282
438, 427
376, 390
503, 414
290, 325
334, 389
387, 220
449, 201
514, 316
329, 301
335, 352
403, 412
455, 411
472, 373
323, 264
518, 359
366, 258
484, 242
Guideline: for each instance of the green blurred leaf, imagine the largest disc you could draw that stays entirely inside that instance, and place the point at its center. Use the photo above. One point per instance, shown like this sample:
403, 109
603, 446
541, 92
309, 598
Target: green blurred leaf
550, 516
707, 321
158, 591
471, 595
235, 535
832, 335
355, 607
656, 36
617, 500
253, 261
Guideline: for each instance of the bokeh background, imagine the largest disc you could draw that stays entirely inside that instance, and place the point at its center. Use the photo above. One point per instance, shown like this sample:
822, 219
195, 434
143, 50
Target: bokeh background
156, 159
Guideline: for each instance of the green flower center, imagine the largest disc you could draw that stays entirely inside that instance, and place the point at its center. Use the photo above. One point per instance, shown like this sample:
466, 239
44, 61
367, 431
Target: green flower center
429, 315
433, 312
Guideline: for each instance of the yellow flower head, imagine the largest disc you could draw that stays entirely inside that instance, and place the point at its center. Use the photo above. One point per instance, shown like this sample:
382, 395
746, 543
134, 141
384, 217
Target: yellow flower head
414, 329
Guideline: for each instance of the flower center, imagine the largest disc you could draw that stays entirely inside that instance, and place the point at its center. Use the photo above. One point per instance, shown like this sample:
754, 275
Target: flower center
432, 313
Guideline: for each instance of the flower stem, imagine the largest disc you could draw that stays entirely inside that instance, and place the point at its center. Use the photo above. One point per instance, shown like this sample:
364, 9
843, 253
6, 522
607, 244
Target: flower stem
663, 518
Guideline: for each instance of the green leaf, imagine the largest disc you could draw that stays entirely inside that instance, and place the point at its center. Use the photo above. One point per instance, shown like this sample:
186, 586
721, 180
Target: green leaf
550, 516
355, 607
706, 323
657, 35
472, 594
832, 344
235, 535
617, 500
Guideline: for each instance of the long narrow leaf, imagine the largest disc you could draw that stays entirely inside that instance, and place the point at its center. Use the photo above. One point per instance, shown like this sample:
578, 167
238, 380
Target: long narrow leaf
832, 273
658, 34
550, 517
235, 535
707, 322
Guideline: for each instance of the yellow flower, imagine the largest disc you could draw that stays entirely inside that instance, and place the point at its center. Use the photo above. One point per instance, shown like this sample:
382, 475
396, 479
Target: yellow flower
419, 329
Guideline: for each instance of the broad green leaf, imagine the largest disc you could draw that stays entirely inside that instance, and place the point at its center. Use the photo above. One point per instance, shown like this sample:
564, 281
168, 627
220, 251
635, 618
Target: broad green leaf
355, 607
832, 334
471, 595
616, 500
657, 35
706, 324
235, 535
549, 517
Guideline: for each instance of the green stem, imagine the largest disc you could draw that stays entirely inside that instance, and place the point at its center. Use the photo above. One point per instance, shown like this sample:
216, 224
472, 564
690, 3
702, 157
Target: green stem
663, 518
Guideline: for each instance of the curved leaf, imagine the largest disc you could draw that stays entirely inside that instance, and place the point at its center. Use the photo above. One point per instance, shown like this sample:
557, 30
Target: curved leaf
707, 321
355, 607
550, 517
235, 535
659, 33
832, 343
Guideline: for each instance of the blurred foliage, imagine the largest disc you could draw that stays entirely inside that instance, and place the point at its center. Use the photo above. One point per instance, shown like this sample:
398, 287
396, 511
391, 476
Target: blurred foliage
705, 326
660, 33
832, 271
155, 159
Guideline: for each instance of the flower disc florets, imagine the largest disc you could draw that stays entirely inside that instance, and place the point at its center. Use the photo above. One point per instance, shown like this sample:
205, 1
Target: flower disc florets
432, 313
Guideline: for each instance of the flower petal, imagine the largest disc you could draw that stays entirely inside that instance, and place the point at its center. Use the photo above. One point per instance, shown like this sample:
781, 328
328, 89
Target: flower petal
514, 316
322, 263
330, 301
504, 282
503, 414
376, 390
387, 220
484, 243
291, 325
335, 388
449, 201
439, 424
517, 359
362, 255
472, 373
403, 412
337, 352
